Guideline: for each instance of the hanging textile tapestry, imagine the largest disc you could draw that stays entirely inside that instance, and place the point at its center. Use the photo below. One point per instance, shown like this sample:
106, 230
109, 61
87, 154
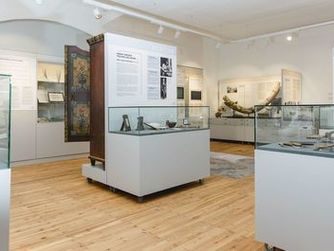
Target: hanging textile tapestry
77, 93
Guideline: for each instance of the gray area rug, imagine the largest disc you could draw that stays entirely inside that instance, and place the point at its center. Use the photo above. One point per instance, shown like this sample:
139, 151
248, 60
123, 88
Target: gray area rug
231, 165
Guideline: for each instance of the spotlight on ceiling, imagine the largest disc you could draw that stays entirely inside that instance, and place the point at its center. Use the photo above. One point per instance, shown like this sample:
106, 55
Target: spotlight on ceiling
177, 34
292, 36
39, 2
97, 13
160, 29
218, 45
289, 37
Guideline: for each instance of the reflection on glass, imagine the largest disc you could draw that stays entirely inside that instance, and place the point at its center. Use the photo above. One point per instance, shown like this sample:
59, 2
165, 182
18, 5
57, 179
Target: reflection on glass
4, 121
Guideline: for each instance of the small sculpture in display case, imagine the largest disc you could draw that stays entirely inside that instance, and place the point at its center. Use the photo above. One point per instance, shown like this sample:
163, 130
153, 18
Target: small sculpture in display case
140, 123
186, 122
170, 124
126, 123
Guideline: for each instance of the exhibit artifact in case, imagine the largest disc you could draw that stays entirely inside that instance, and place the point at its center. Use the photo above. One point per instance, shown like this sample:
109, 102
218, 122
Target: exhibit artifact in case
148, 120
301, 129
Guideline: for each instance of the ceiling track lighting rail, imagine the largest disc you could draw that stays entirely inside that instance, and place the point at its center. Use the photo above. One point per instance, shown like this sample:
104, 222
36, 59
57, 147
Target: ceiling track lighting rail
153, 20
290, 34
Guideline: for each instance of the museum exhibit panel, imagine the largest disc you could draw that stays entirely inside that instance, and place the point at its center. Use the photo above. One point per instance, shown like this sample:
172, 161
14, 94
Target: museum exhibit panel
293, 209
234, 120
138, 100
5, 174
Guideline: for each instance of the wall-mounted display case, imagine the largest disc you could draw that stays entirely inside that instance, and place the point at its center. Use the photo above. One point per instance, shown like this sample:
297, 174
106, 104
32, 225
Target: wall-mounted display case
148, 120
5, 102
303, 129
50, 92
50, 97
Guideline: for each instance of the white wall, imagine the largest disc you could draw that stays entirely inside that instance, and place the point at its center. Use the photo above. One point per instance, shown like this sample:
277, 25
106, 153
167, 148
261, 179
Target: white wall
211, 60
310, 54
40, 37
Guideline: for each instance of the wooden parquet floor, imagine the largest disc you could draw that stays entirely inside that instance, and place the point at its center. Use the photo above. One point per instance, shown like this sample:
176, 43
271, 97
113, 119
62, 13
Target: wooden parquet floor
54, 208
233, 148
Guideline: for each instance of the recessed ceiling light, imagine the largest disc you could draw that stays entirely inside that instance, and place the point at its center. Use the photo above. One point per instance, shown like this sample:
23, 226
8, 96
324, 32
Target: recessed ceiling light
97, 13
289, 37
39, 2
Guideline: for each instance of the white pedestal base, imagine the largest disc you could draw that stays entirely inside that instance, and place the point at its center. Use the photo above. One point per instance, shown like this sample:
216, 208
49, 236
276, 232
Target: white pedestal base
96, 172
4, 208
294, 205
142, 165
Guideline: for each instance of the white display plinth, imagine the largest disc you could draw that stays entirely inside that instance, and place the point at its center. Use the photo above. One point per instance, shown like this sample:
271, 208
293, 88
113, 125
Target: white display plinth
4, 208
294, 205
96, 172
142, 165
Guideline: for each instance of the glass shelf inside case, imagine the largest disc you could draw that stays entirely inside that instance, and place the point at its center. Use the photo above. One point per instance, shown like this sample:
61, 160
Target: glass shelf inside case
300, 129
5, 101
150, 120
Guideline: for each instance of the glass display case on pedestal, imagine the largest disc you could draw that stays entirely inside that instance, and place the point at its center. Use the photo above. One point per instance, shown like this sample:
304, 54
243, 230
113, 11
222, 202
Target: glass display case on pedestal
301, 129
5, 91
148, 120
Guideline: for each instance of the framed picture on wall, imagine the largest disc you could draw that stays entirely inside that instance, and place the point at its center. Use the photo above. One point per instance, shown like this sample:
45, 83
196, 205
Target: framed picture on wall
180, 92
196, 95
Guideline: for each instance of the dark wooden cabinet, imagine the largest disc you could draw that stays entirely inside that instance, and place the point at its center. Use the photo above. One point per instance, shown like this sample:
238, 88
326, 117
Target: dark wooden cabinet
97, 106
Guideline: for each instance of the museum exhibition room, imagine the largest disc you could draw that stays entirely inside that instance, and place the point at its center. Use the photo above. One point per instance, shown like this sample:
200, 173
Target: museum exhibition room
166, 125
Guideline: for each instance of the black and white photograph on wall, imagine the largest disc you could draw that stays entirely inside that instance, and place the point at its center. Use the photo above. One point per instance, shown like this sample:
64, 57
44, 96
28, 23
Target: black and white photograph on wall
196, 95
163, 88
232, 89
166, 69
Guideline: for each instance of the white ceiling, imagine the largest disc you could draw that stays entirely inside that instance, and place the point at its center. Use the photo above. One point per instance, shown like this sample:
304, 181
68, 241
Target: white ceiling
238, 19
70, 12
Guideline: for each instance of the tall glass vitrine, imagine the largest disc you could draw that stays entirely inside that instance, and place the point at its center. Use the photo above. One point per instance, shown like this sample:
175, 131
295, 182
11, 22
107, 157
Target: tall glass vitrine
5, 101
5, 94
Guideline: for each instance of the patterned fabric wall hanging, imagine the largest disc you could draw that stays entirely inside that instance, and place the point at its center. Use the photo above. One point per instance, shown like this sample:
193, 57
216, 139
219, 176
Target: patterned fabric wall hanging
77, 94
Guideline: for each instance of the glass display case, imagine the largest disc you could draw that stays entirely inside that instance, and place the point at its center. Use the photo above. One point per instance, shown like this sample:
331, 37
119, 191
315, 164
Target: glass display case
5, 94
50, 98
148, 120
301, 129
